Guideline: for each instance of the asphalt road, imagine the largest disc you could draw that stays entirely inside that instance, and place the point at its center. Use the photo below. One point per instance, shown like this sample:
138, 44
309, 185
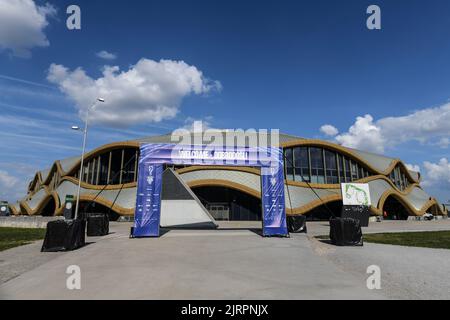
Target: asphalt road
228, 264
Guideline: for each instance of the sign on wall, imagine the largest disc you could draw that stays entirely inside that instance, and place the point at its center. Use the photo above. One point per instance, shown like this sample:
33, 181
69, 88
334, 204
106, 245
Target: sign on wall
355, 194
154, 156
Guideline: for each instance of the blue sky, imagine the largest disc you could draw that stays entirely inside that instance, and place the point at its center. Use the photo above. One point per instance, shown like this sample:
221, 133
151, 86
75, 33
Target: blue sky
291, 65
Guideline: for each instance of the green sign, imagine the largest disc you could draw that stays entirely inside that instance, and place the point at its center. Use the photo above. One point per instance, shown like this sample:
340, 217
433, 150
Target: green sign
355, 194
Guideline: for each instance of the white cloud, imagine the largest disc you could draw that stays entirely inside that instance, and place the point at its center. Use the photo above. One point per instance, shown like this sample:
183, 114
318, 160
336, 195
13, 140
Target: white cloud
197, 125
14, 179
22, 25
9, 186
106, 55
364, 134
422, 125
148, 91
6, 180
444, 143
412, 167
425, 126
437, 174
329, 130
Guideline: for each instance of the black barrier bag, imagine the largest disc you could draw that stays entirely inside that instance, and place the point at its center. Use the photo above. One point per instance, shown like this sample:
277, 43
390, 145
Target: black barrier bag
345, 232
97, 225
297, 224
64, 235
361, 213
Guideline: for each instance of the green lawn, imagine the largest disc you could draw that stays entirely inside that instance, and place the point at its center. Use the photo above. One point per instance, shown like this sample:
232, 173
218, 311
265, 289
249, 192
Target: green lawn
434, 239
14, 237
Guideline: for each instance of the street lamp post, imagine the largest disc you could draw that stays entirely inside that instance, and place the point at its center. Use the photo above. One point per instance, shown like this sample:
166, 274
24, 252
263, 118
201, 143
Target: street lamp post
85, 130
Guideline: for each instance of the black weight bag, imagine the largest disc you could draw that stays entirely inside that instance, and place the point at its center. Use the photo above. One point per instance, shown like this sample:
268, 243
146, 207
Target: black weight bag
97, 225
361, 213
64, 235
296, 224
345, 232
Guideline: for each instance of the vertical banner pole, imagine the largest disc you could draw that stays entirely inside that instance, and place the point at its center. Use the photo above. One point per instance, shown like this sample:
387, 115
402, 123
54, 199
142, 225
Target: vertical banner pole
273, 198
148, 200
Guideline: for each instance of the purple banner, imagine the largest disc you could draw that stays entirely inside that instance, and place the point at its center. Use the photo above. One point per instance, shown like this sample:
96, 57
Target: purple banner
273, 198
148, 200
153, 156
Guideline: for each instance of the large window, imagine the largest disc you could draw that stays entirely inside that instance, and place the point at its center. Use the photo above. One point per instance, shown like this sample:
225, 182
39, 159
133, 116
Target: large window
116, 165
331, 165
129, 166
289, 164
347, 170
399, 178
355, 170
341, 168
405, 180
361, 172
86, 171
113, 167
93, 172
103, 172
301, 162
317, 165
320, 165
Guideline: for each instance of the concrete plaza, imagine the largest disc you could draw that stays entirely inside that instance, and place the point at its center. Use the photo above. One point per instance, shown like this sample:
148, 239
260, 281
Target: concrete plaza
229, 264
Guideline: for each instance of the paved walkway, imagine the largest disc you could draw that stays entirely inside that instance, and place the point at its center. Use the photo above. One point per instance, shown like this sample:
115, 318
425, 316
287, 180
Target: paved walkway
17, 261
406, 272
231, 264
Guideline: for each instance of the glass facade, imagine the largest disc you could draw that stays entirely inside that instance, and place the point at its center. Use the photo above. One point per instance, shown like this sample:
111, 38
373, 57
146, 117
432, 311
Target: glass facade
114, 167
289, 164
321, 165
341, 168
301, 163
399, 178
129, 166
317, 165
347, 172
332, 167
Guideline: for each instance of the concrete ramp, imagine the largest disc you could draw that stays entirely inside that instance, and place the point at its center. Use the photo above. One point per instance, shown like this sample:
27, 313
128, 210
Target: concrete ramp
180, 207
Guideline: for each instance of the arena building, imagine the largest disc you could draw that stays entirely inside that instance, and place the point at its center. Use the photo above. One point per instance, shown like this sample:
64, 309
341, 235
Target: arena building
314, 170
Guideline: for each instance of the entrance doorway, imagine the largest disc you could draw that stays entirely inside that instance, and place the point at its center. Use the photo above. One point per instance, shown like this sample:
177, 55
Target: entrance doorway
227, 204
394, 210
325, 212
